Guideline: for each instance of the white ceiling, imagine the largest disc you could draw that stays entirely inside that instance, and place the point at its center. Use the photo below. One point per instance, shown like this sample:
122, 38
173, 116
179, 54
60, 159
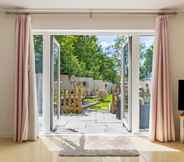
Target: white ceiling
93, 4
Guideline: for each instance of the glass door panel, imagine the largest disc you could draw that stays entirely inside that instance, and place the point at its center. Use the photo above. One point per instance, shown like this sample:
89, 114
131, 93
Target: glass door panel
126, 83
55, 82
145, 75
38, 47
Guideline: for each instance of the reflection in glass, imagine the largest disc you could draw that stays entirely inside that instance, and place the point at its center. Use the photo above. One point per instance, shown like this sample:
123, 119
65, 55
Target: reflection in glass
145, 76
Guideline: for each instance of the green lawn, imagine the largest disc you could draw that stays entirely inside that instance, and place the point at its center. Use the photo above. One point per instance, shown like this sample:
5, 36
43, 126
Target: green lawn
90, 99
102, 105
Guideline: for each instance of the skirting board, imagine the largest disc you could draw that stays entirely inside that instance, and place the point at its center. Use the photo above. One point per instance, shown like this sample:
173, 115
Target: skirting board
6, 135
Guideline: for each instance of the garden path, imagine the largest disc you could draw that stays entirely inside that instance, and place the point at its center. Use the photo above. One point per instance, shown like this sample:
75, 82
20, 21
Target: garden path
90, 122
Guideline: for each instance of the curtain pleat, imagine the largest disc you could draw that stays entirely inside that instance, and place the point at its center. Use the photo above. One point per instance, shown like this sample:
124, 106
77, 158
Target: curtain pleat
162, 128
25, 92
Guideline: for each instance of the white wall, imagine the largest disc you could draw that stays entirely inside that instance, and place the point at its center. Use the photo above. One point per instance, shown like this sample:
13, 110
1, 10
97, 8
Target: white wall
176, 29
98, 22
114, 22
7, 70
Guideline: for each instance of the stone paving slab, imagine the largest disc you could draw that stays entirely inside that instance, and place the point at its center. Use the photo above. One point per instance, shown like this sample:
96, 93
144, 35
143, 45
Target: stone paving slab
90, 122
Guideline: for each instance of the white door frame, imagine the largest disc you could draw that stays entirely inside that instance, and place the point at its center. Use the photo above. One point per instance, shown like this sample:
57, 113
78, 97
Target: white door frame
46, 81
135, 72
135, 83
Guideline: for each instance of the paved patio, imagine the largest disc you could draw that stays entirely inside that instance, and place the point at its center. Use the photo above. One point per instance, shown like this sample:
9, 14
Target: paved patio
90, 122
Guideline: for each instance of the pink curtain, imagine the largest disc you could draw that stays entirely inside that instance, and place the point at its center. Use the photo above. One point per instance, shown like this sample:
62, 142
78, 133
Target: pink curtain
162, 107
25, 106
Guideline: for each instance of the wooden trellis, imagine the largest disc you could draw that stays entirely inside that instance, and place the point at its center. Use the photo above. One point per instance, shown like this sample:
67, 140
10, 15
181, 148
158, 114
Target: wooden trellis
71, 100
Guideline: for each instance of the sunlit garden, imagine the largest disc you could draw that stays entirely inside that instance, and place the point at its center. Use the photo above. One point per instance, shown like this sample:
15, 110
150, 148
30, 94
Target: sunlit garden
87, 72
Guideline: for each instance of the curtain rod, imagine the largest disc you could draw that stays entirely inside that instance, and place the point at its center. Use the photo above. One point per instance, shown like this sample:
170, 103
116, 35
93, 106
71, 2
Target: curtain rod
92, 12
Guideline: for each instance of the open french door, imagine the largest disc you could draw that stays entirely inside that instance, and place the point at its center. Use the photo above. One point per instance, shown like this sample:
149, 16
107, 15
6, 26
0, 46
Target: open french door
55, 82
126, 84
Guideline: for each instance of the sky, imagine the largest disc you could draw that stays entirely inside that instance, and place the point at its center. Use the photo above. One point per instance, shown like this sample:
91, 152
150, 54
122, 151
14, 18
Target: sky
108, 40
148, 40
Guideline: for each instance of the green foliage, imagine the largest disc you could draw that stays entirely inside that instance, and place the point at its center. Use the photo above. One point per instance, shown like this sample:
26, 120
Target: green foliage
83, 56
38, 46
146, 57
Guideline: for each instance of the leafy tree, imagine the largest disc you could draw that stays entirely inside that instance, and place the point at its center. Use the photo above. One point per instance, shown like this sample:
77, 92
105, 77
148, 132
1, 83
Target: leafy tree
146, 57
38, 46
83, 56
118, 48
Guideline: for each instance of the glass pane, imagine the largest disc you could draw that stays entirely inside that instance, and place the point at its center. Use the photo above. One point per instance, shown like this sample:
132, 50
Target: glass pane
126, 78
145, 76
56, 53
125, 81
55, 81
38, 46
